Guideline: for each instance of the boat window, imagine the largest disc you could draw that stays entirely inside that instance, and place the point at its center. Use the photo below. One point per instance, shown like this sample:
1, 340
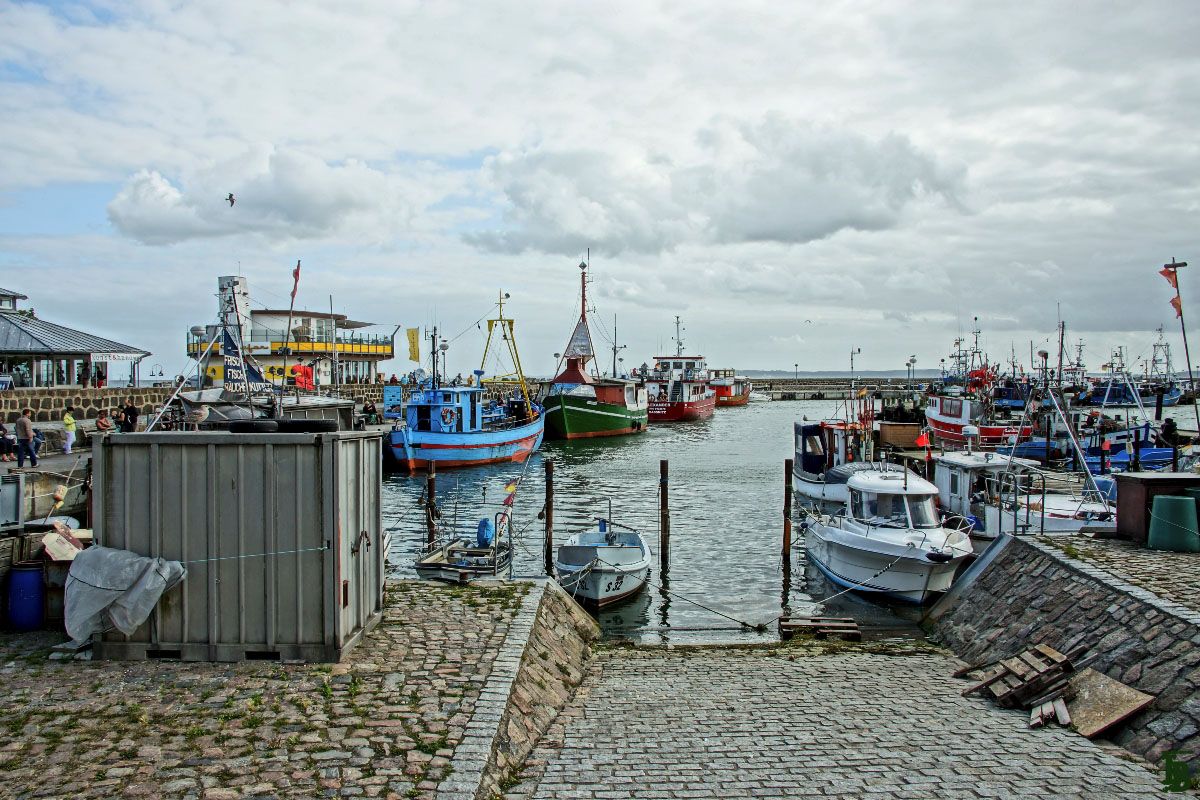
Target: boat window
678, 365
951, 408
447, 397
922, 511
856, 505
885, 509
954, 482
813, 444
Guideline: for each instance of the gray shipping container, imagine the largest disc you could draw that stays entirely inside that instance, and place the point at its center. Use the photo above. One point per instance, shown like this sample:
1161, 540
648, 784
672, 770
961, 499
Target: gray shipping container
281, 534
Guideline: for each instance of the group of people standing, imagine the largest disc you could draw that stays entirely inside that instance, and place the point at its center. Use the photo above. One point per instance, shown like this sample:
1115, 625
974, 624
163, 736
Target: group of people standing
25, 440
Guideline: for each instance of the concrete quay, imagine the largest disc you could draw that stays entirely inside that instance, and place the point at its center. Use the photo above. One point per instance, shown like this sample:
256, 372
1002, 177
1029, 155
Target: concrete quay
873, 722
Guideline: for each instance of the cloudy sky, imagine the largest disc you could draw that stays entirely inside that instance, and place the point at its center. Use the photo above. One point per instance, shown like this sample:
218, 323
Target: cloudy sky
794, 180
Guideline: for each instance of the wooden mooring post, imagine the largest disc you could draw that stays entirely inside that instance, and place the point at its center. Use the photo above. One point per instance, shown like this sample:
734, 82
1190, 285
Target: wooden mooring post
664, 517
548, 550
430, 503
787, 511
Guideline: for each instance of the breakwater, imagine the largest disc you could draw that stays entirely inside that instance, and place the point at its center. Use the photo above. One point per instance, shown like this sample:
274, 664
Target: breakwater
1036, 592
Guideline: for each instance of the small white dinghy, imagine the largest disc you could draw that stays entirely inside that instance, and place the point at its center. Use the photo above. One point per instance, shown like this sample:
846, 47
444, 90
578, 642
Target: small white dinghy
887, 539
604, 566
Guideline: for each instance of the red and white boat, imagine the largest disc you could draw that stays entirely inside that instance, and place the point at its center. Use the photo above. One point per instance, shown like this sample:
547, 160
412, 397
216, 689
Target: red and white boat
678, 387
953, 419
731, 389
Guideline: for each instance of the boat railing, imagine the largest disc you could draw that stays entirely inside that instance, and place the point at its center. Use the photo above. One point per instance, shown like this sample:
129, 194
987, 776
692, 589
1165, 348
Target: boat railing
1011, 488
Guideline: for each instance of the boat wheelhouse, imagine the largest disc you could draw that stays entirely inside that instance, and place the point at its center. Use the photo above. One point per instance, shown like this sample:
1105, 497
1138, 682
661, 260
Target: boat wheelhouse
579, 405
955, 420
730, 388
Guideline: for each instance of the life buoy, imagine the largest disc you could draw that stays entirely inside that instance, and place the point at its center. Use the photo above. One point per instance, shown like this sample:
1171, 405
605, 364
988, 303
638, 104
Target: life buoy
448, 416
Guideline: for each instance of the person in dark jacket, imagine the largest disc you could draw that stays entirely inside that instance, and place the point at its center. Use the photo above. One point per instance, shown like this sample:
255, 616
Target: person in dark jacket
25, 439
130, 412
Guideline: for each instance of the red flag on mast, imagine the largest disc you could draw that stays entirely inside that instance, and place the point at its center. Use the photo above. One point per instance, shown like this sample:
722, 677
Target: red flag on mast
295, 279
1177, 304
1171, 277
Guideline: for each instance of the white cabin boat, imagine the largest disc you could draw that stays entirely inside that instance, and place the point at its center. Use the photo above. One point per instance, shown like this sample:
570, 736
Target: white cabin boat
888, 539
999, 494
603, 566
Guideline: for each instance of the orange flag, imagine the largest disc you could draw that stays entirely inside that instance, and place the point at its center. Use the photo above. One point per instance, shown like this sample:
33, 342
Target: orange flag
1171, 277
1177, 305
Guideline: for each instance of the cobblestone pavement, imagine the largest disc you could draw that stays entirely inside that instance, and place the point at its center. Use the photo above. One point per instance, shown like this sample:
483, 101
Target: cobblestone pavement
791, 722
384, 723
1172, 576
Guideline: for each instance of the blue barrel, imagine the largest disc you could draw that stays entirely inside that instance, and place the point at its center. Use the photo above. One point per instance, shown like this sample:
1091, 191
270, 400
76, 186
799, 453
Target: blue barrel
26, 596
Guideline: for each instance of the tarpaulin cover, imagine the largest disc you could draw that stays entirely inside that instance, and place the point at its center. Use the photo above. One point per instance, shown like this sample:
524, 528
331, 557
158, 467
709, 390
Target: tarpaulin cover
109, 588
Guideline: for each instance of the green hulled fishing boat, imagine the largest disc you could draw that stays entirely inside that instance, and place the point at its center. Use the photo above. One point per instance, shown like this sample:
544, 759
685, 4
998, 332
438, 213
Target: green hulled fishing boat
579, 405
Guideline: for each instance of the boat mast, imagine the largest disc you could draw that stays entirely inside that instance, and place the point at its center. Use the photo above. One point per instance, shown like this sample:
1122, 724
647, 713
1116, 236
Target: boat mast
433, 351
678, 339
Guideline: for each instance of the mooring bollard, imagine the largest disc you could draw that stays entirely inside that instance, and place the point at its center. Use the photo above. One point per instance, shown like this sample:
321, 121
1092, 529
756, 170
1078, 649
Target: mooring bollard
664, 517
430, 503
787, 511
549, 511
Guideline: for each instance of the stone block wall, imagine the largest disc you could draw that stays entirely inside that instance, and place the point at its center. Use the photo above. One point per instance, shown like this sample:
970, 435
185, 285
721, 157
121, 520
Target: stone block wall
49, 404
1033, 593
552, 666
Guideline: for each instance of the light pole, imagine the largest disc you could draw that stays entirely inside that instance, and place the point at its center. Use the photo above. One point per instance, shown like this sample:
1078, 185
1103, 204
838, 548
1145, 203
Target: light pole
796, 371
853, 353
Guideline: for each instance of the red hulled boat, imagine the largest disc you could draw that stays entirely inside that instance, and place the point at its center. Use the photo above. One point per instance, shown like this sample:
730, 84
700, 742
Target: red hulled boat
731, 389
678, 387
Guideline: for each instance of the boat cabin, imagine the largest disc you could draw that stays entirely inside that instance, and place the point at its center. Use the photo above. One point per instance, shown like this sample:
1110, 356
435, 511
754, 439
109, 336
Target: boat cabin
820, 446
460, 409
888, 499
952, 409
680, 368
959, 477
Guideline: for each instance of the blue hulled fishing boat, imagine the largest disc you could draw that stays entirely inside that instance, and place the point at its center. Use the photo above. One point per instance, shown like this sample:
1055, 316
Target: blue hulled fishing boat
459, 426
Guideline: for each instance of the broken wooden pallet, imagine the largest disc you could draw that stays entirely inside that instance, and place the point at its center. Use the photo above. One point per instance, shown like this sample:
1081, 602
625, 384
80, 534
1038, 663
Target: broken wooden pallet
1033, 677
820, 627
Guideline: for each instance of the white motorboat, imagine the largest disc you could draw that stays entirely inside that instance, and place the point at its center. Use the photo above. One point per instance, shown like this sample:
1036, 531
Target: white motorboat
887, 539
756, 396
603, 566
1004, 494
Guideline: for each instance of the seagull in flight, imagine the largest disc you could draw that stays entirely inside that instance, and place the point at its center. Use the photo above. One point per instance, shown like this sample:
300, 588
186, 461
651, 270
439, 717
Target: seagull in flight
230, 200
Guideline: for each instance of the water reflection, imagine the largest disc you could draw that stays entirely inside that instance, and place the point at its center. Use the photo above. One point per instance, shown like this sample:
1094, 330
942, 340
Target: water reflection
726, 495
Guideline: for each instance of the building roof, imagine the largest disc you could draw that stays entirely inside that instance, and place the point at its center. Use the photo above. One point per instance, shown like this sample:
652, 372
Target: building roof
17, 295
26, 335
342, 320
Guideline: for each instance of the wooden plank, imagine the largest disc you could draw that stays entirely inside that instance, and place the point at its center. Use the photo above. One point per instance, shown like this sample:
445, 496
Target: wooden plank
1033, 661
1060, 711
1035, 717
999, 673
1050, 653
1017, 667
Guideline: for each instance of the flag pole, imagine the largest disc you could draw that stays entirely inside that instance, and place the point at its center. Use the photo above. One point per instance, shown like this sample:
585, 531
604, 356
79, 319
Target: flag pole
287, 334
1175, 266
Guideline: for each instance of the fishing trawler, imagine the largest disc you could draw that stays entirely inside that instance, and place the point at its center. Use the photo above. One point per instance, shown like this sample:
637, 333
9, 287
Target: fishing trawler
962, 411
581, 406
678, 386
452, 425
730, 388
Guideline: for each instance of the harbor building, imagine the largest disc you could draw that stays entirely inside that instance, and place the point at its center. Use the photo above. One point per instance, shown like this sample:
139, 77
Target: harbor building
35, 353
334, 346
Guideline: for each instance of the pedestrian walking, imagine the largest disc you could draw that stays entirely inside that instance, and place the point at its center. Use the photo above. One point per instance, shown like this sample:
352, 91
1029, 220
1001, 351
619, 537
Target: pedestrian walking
68, 422
25, 439
130, 413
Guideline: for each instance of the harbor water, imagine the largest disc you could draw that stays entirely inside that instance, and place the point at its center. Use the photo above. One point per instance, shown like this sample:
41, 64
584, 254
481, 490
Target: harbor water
726, 500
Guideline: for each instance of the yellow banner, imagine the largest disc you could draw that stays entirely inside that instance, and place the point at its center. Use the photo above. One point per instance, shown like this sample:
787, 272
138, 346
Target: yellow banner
414, 351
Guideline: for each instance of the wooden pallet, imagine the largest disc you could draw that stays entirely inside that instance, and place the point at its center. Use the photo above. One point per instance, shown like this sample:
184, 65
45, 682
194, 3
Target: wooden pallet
1032, 679
820, 627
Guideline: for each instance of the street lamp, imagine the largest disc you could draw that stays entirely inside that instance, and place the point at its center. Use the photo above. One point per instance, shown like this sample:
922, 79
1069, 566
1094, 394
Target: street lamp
796, 369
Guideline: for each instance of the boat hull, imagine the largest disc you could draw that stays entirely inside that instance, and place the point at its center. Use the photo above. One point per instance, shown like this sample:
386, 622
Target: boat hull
912, 579
600, 589
570, 417
682, 411
733, 400
415, 450
990, 436
465, 564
